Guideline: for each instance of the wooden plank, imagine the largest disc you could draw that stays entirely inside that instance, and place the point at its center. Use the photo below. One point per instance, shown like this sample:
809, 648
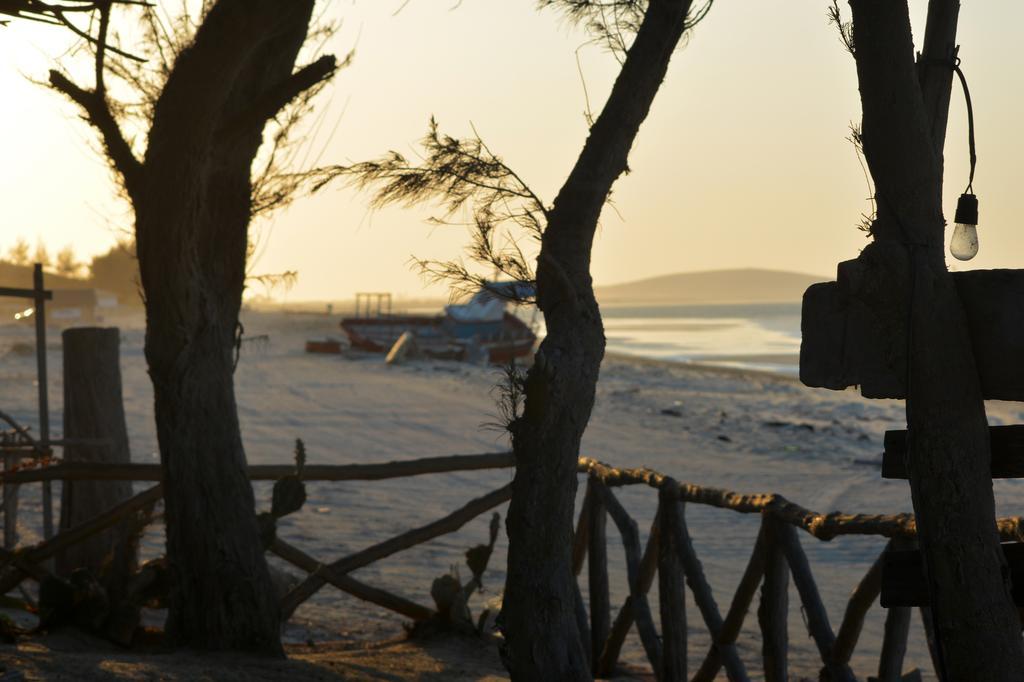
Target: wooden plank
846, 343
14, 292
1007, 452
82, 471
903, 582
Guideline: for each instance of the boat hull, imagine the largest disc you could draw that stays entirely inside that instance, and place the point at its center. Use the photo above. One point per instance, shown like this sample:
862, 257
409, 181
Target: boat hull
439, 336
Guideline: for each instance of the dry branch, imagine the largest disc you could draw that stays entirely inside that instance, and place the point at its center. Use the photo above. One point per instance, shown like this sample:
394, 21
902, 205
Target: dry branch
350, 585
46, 549
416, 536
271, 472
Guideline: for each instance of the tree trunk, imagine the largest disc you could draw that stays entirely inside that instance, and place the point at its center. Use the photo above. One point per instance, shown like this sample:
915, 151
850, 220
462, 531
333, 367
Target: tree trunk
903, 131
192, 216
542, 640
94, 409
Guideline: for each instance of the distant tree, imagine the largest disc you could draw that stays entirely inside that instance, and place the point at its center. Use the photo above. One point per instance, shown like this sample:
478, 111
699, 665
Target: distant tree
117, 271
542, 640
66, 263
203, 102
19, 253
905, 104
41, 254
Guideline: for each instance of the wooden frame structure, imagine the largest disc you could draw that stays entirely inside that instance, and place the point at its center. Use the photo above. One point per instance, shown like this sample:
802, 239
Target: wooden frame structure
668, 555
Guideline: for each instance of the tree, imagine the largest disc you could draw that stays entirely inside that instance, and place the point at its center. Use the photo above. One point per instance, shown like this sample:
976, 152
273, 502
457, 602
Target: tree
542, 639
18, 254
193, 197
905, 106
117, 271
42, 254
66, 263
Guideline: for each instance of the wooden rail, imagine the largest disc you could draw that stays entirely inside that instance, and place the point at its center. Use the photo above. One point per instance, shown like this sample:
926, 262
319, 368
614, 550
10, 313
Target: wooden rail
669, 556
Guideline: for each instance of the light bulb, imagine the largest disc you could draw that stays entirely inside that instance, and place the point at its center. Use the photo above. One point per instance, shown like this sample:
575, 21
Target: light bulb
964, 244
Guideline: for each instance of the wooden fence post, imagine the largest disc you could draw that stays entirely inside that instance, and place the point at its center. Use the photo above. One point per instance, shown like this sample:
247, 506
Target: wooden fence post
597, 571
10, 505
44, 390
817, 617
94, 413
773, 611
671, 592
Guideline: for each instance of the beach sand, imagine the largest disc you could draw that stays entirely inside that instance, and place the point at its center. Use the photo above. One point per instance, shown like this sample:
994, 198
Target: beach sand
742, 430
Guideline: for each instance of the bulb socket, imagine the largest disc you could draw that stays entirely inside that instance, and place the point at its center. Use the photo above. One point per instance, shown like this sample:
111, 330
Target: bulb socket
967, 210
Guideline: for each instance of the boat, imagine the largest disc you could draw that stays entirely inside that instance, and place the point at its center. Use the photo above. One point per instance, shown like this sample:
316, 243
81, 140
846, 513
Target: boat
481, 329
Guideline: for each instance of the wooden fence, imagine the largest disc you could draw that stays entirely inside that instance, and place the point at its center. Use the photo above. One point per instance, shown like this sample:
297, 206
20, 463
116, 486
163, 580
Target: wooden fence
669, 555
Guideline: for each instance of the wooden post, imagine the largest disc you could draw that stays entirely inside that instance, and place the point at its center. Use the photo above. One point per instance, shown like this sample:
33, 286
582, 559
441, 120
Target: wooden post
817, 617
894, 644
631, 543
671, 593
10, 506
897, 627
94, 409
44, 402
597, 569
737, 611
861, 600
582, 535
702, 595
609, 657
773, 612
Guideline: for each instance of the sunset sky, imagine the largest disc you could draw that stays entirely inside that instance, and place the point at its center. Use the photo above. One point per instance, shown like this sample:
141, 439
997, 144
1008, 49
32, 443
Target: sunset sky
743, 161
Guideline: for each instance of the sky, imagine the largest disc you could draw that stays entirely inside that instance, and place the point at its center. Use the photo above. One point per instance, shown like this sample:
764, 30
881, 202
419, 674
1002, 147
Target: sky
743, 161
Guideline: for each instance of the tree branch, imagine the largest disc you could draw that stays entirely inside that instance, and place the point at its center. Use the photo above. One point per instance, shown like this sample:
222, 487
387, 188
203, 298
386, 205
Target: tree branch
278, 96
98, 114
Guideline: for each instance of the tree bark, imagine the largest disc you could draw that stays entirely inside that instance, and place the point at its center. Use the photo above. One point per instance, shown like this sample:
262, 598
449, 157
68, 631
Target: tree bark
542, 640
192, 215
904, 114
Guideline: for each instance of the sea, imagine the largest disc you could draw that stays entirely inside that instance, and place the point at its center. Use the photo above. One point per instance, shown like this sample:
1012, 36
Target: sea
762, 336
758, 336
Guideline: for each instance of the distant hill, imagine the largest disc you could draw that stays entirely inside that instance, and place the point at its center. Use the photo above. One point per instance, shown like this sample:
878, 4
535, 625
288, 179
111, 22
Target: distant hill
747, 285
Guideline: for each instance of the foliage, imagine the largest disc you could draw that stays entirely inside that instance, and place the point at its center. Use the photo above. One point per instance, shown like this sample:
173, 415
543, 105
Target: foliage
19, 253
613, 23
845, 28
66, 263
131, 68
459, 174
